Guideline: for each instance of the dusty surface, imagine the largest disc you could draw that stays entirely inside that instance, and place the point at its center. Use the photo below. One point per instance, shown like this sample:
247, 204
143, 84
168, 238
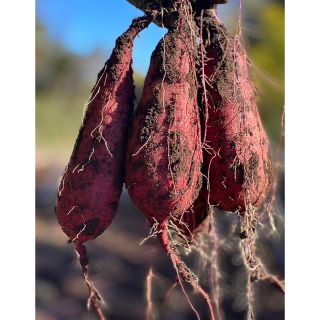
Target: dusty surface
164, 149
92, 182
237, 159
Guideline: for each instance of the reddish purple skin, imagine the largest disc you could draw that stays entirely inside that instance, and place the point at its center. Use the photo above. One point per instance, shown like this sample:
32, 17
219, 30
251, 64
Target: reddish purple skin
90, 188
164, 150
193, 220
239, 166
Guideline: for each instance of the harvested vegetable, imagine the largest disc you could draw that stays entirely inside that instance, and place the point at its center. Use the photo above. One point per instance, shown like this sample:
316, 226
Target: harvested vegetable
236, 156
164, 154
92, 183
237, 160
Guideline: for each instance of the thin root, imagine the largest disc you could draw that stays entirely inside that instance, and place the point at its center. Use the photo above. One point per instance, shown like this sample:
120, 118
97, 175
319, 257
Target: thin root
183, 272
94, 298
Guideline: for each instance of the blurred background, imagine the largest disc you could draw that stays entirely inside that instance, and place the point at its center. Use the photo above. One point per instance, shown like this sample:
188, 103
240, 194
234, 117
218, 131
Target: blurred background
73, 40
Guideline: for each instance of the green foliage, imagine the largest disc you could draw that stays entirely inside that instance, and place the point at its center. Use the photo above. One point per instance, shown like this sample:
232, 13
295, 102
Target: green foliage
267, 55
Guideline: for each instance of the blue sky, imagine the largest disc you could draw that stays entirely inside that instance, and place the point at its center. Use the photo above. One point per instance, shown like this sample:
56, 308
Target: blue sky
81, 26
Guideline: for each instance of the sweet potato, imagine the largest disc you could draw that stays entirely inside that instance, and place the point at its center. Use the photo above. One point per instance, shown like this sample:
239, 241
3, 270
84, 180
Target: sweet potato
164, 150
236, 156
193, 220
92, 183
164, 154
237, 161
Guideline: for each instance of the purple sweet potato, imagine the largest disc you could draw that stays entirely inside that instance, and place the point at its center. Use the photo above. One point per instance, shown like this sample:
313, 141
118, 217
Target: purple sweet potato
91, 185
90, 188
164, 151
236, 156
193, 221
164, 157
237, 160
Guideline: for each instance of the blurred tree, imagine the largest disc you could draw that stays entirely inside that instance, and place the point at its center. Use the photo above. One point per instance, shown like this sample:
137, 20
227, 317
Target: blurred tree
264, 31
139, 81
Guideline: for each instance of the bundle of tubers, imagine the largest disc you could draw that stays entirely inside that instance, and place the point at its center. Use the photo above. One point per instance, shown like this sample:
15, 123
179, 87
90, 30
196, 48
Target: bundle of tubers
195, 141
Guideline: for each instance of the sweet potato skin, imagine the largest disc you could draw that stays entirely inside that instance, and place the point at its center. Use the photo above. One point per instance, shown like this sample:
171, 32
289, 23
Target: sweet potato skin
193, 221
237, 159
92, 183
164, 150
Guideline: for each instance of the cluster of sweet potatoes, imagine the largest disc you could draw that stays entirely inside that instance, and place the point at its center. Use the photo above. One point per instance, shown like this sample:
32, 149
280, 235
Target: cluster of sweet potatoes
195, 139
